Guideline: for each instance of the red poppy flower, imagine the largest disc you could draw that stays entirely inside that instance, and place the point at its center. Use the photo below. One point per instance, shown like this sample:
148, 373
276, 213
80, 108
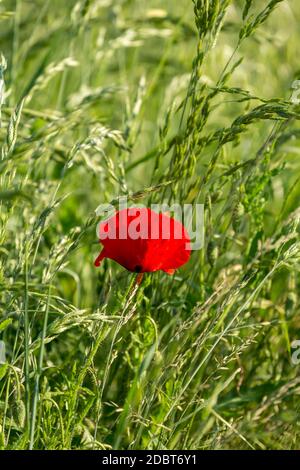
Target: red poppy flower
142, 240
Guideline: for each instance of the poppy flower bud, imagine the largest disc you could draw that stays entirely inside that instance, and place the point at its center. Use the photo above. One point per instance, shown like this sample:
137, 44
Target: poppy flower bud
142, 240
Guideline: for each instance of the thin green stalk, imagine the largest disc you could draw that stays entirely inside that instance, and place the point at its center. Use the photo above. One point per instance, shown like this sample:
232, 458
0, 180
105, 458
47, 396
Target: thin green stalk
26, 343
39, 371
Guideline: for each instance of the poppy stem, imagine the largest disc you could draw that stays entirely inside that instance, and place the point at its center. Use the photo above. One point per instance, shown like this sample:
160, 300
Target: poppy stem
139, 278
130, 292
132, 289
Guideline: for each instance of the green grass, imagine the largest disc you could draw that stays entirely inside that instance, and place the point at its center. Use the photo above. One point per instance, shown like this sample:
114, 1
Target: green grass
185, 102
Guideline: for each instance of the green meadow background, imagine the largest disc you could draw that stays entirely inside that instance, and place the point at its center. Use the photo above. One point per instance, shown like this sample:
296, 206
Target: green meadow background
160, 101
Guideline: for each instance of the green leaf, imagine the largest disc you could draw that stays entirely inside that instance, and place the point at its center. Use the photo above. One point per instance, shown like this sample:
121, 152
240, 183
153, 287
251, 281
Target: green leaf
3, 369
5, 323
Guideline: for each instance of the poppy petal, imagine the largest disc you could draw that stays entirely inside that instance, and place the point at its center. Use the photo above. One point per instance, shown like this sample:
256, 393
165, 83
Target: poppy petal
169, 271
